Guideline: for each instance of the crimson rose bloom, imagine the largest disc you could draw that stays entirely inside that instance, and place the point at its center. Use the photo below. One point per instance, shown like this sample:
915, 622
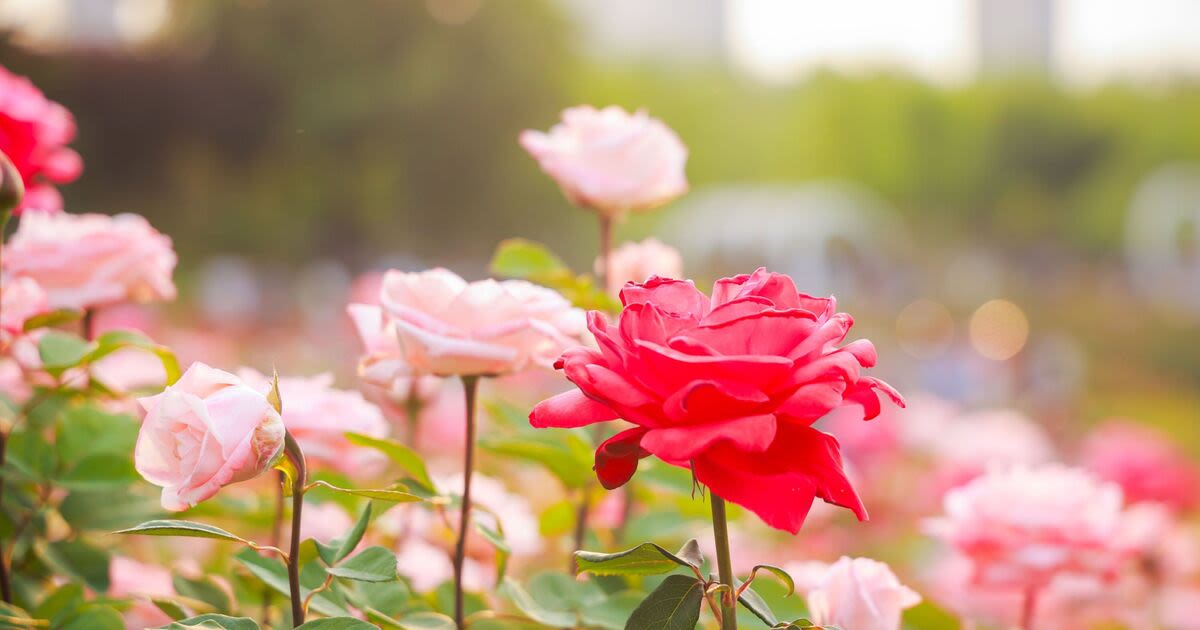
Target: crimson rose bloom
34, 132
729, 386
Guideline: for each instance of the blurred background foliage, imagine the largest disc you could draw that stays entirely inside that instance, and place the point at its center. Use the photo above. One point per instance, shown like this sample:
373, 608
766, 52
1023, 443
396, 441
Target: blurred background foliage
371, 133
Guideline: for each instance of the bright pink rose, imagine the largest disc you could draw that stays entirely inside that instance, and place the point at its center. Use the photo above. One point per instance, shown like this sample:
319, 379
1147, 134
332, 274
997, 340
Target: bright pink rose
611, 161
1146, 465
1022, 526
860, 593
90, 260
636, 262
447, 326
728, 386
319, 416
129, 578
207, 430
34, 132
20, 299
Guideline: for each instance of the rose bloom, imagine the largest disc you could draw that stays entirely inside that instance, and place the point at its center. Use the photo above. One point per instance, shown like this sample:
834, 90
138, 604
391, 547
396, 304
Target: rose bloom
728, 386
20, 299
324, 521
611, 161
635, 262
383, 366
89, 260
129, 578
860, 593
34, 132
1144, 463
319, 416
207, 430
1021, 526
447, 326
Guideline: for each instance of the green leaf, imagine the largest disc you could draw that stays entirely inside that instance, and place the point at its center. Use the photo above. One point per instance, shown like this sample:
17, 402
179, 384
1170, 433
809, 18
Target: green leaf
403, 456
674, 605
273, 573
373, 564
691, 554
187, 529
757, 605
31, 455
777, 572
337, 623
203, 589
51, 319
273, 396
551, 452
426, 621
503, 551
387, 494
224, 622
104, 511
86, 430
114, 340
556, 520
102, 471
612, 613
79, 560
341, 546
95, 618
533, 609
170, 608
60, 603
644, 559
520, 258
59, 351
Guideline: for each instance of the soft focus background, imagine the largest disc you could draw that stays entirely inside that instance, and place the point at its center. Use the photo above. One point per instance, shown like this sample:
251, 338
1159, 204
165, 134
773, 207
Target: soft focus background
1005, 192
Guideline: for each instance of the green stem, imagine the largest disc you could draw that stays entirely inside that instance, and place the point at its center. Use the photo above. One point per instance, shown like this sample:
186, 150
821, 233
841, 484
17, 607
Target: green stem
724, 564
470, 386
5, 584
276, 536
299, 479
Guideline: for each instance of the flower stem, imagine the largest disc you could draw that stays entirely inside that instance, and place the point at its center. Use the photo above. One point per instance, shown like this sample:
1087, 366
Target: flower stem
299, 478
606, 241
5, 585
276, 535
581, 518
470, 386
724, 564
1029, 609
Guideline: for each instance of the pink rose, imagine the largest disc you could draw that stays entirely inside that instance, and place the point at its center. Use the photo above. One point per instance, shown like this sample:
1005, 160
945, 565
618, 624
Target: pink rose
447, 326
1146, 465
324, 521
20, 299
129, 578
34, 132
207, 430
1022, 526
636, 262
90, 260
728, 386
860, 593
611, 161
319, 416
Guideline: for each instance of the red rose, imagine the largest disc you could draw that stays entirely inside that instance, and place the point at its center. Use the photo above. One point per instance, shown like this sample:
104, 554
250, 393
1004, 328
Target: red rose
34, 132
729, 386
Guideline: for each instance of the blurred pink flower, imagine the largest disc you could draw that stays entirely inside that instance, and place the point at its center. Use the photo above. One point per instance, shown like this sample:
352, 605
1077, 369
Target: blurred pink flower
13, 384
611, 161
636, 262
207, 430
969, 444
434, 322
34, 132
1146, 465
319, 416
129, 578
324, 521
88, 260
860, 593
1022, 526
20, 299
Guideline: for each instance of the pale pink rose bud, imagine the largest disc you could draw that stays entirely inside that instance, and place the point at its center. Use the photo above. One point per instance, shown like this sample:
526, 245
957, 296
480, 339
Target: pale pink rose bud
862, 594
636, 262
20, 299
208, 430
447, 326
611, 161
319, 416
88, 260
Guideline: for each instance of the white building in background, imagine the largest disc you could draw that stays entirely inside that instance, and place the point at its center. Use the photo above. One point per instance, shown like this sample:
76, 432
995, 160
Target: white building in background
688, 31
1014, 36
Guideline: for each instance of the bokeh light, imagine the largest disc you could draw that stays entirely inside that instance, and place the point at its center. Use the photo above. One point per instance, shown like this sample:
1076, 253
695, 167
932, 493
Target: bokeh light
999, 330
924, 328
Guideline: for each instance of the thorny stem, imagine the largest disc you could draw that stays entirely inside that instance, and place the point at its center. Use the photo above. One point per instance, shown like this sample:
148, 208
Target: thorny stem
470, 386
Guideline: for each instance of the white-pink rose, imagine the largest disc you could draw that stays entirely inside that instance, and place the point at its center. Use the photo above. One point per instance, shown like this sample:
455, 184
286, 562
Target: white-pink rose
635, 262
319, 416
862, 594
1022, 526
129, 578
208, 430
89, 260
20, 299
611, 161
447, 326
